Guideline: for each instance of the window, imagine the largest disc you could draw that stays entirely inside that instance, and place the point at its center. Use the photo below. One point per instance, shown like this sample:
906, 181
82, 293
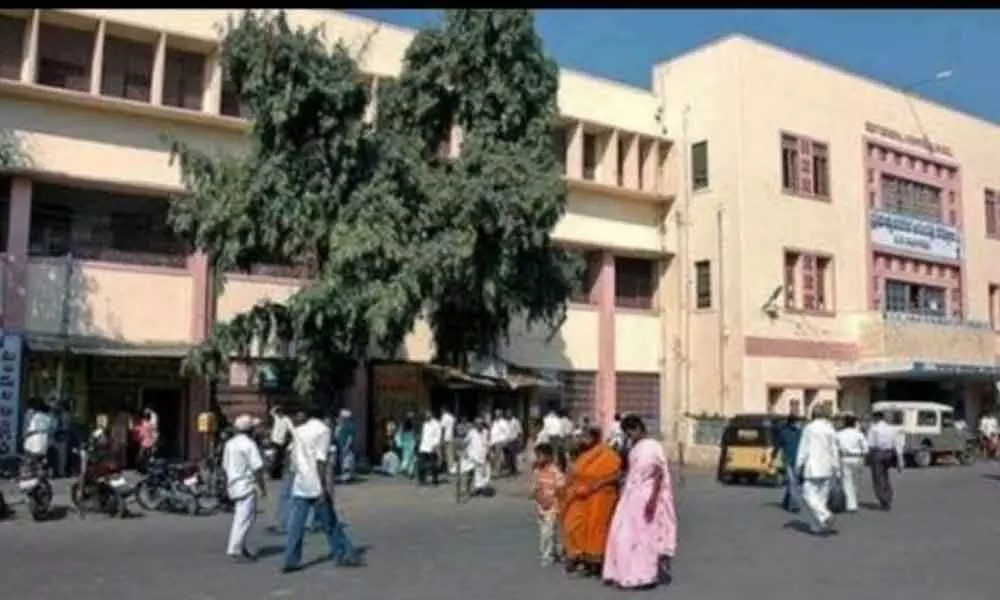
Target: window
994, 300
703, 284
992, 216
622, 152
64, 57
821, 171
805, 167
699, 165
947, 420
589, 156
927, 418
809, 397
808, 282
559, 144
911, 298
11, 46
183, 79
894, 417
582, 293
127, 70
634, 282
96, 225
789, 163
910, 198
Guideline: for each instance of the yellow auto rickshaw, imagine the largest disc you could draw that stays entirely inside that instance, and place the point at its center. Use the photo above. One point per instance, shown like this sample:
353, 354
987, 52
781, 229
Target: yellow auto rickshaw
747, 448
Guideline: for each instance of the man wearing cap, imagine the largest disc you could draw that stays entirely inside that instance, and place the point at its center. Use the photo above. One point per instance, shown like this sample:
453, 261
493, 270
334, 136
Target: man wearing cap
245, 482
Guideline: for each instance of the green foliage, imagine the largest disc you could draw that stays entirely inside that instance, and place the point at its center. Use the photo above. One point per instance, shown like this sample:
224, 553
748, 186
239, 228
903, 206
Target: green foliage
12, 152
393, 230
488, 213
316, 184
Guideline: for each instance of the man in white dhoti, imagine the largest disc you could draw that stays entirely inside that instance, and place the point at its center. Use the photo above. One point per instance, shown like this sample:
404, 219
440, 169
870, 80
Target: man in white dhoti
499, 438
853, 449
476, 457
244, 468
817, 464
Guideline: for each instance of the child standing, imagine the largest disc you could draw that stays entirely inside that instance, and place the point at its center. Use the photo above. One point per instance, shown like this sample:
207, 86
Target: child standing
548, 482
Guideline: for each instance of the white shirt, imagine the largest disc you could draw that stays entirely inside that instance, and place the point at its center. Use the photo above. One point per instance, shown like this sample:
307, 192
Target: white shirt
514, 429
476, 446
314, 437
988, 425
566, 427
852, 444
818, 456
552, 426
615, 437
448, 426
280, 430
499, 431
38, 432
882, 436
430, 436
241, 460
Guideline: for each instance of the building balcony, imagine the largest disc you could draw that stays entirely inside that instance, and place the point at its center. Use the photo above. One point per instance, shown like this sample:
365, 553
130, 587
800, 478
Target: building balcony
910, 337
103, 306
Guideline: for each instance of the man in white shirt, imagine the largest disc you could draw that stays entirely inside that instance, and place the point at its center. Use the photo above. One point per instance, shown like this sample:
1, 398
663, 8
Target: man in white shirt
515, 433
499, 436
476, 458
817, 464
312, 490
244, 469
38, 431
886, 445
988, 432
853, 449
280, 438
429, 451
615, 437
552, 433
448, 439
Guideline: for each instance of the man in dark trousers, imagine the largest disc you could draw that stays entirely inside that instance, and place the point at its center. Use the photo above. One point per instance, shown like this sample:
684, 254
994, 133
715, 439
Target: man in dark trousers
885, 446
787, 446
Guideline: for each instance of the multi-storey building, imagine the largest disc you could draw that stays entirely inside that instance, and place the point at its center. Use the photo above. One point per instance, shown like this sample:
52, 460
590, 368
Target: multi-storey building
762, 232
842, 239
107, 299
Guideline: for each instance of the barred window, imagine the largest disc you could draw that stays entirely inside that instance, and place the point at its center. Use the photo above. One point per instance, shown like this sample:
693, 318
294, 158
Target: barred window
911, 198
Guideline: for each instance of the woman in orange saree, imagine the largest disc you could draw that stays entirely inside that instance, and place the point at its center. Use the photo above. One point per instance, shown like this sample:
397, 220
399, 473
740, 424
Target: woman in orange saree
590, 496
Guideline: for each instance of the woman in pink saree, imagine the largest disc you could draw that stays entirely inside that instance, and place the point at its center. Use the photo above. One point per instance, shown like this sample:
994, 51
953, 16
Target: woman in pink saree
643, 536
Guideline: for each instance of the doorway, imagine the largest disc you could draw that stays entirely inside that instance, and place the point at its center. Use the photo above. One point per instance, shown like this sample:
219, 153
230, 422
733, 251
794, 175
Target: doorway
168, 405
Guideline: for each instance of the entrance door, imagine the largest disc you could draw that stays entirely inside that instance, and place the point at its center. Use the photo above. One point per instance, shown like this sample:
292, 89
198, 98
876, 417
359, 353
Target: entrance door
167, 404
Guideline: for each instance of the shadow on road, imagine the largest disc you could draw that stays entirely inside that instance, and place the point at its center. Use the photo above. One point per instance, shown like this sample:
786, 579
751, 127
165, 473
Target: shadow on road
992, 476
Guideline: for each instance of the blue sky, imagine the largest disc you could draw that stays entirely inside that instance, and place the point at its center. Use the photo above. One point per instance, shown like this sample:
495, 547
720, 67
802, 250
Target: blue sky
900, 47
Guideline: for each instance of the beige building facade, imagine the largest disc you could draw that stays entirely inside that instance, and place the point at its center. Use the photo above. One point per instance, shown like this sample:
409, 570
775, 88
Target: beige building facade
762, 232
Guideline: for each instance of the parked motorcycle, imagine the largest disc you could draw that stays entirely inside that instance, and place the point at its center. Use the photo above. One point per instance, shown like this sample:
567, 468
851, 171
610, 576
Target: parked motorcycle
35, 485
101, 487
170, 487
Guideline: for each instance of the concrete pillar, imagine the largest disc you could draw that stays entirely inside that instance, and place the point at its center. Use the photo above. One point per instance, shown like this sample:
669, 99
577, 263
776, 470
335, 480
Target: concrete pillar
606, 379
97, 59
159, 66
630, 178
29, 62
15, 291
574, 151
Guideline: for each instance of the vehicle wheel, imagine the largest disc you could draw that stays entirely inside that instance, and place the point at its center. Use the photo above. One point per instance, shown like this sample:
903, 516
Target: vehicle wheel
40, 501
964, 458
149, 496
207, 502
923, 458
190, 503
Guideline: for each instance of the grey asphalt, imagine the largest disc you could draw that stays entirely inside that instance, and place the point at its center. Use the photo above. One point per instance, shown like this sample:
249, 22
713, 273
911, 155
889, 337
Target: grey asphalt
939, 543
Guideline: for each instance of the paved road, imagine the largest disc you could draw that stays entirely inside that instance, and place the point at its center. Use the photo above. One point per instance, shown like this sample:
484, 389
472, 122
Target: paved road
939, 543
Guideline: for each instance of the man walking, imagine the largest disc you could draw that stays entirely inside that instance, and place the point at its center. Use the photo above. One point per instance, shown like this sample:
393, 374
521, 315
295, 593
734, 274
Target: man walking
499, 438
312, 491
787, 447
281, 436
853, 450
885, 444
515, 435
430, 449
244, 469
818, 463
448, 440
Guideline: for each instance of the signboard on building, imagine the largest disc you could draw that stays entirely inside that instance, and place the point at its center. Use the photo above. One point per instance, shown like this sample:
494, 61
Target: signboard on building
917, 141
915, 236
11, 350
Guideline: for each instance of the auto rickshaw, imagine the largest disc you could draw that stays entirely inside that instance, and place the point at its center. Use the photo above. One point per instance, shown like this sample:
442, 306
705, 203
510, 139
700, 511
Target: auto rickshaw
748, 443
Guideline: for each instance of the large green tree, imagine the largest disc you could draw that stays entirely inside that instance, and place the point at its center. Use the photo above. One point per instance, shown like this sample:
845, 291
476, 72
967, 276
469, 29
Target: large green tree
487, 254
315, 185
